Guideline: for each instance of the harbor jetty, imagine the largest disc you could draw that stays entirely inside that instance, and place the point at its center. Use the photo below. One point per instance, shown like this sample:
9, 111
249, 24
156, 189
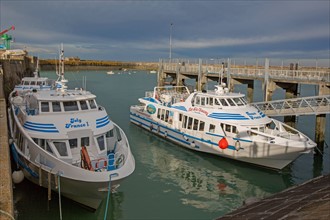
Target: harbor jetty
310, 200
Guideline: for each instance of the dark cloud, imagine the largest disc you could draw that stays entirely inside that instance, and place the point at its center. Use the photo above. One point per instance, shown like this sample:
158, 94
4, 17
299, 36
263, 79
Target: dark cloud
139, 30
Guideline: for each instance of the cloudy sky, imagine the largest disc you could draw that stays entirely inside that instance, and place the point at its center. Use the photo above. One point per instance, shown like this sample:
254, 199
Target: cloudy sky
140, 30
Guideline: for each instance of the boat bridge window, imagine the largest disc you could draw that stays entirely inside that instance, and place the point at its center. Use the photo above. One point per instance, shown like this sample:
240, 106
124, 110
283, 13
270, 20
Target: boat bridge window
101, 142
70, 106
61, 148
119, 138
85, 141
48, 148
56, 106
73, 143
224, 102
33, 83
92, 103
83, 105
239, 102
231, 102
44, 107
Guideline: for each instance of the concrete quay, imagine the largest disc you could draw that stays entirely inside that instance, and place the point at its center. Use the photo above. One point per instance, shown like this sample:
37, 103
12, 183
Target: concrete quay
310, 200
6, 188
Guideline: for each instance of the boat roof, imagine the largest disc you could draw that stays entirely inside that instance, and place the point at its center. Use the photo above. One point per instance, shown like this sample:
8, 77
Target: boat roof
34, 79
223, 95
68, 95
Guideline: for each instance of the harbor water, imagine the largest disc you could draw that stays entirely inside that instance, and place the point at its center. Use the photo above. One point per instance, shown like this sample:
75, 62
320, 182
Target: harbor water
170, 182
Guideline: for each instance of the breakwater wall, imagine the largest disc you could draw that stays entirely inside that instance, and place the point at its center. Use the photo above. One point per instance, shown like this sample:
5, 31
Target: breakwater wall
98, 65
14, 70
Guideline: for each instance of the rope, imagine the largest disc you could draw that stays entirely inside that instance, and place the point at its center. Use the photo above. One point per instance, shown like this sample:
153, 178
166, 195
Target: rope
59, 194
7, 214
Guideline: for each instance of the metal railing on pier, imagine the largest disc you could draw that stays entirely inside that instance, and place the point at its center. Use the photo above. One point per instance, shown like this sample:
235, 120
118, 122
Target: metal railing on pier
312, 105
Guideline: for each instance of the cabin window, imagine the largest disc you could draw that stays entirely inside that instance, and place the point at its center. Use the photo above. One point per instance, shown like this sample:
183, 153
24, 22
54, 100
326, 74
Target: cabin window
198, 101
201, 125
83, 105
195, 127
26, 83
190, 121
203, 101
101, 142
211, 128
223, 102
61, 148
92, 103
73, 143
231, 102
44, 107
184, 123
180, 117
39, 83
158, 113
33, 83
85, 141
211, 101
228, 128
216, 102
166, 115
56, 106
70, 106
36, 140
170, 117
234, 130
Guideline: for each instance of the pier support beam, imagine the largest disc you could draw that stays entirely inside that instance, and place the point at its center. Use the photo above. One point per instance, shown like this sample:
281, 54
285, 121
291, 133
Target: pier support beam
320, 121
291, 91
269, 89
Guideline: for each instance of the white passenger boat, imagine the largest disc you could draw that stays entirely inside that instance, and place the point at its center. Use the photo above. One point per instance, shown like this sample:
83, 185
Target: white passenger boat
66, 142
221, 123
35, 82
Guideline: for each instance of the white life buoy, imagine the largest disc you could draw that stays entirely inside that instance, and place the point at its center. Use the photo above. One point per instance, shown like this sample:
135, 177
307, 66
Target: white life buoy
237, 145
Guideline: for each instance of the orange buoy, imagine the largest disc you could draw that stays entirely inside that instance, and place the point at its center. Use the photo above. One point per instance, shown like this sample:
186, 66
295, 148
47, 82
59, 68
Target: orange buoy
223, 143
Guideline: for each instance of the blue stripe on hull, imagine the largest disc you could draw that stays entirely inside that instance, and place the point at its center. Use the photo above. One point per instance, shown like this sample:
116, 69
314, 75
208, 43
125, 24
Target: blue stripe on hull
181, 133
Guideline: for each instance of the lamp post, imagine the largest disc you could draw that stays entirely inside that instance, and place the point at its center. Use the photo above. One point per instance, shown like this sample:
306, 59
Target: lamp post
171, 26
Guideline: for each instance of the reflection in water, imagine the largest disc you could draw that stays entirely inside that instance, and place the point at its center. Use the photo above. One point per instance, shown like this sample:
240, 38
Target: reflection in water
205, 181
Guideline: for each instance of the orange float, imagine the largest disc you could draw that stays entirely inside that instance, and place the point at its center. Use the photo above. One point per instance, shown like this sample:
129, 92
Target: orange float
223, 143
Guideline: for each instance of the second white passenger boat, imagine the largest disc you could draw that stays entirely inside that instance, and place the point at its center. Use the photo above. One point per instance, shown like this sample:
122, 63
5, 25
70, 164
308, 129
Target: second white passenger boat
220, 123
66, 142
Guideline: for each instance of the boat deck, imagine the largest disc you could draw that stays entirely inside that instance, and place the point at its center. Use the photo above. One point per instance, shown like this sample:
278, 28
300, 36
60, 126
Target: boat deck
310, 200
